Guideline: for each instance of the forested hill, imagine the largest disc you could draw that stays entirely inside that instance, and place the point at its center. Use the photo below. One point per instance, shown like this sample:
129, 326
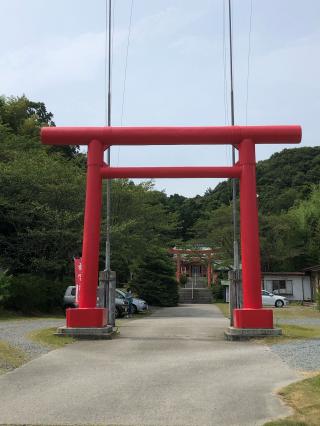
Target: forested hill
282, 180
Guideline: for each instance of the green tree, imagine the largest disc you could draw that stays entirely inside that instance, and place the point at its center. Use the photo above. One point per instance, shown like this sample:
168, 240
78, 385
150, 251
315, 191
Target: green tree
154, 279
5, 286
140, 220
215, 230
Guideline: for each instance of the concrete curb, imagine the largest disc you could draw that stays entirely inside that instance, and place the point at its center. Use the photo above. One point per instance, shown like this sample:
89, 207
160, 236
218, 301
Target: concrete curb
240, 334
92, 333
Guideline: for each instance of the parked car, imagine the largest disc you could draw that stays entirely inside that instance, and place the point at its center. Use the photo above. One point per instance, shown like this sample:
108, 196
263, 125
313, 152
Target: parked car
270, 299
138, 305
69, 301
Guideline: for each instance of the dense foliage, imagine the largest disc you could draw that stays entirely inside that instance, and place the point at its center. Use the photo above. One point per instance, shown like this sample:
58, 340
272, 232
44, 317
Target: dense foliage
41, 210
289, 210
41, 216
154, 281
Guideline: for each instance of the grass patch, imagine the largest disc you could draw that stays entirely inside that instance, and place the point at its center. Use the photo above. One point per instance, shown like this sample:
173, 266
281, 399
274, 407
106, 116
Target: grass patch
224, 308
293, 332
10, 357
295, 311
47, 337
304, 398
13, 315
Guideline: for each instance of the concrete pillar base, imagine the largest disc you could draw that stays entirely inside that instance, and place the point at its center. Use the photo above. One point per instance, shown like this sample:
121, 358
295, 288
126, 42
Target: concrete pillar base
238, 334
86, 317
253, 318
89, 333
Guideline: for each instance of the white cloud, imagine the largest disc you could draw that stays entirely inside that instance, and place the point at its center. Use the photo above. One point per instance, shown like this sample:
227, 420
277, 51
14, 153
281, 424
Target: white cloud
52, 63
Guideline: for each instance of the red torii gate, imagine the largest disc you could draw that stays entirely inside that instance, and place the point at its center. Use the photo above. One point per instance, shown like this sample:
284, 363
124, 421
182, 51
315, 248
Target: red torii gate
178, 252
252, 315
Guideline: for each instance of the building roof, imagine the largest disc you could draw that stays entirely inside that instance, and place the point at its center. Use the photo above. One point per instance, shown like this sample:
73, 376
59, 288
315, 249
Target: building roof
284, 273
315, 268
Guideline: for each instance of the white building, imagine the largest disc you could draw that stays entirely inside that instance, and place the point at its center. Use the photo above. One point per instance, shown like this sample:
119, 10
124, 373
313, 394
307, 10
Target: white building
292, 285
295, 286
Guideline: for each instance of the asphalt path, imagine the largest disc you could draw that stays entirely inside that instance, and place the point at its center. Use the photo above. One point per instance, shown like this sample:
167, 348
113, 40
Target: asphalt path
171, 368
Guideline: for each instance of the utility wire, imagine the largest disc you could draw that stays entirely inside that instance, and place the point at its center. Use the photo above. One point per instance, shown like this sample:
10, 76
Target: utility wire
224, 62
126, 63
125, 72
248, 59
224, 59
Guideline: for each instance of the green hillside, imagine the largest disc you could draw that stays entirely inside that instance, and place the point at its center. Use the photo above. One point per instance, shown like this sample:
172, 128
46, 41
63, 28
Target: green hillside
283, 179
289, 211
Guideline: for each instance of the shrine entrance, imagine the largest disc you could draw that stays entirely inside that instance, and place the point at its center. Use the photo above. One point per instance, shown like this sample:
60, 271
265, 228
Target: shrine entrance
244, 138
194, 264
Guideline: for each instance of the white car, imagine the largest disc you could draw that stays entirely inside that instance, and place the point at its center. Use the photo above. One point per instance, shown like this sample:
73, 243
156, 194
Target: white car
138, 305
270, 299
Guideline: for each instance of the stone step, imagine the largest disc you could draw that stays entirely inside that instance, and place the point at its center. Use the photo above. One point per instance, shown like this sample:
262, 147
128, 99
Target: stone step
200, 295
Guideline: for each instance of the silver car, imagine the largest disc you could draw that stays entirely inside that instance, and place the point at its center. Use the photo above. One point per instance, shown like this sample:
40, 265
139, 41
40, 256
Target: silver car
270, 299
138, 305
69, 301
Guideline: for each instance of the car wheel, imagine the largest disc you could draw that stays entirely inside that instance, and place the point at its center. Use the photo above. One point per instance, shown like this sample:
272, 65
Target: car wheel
279, 303
116, 313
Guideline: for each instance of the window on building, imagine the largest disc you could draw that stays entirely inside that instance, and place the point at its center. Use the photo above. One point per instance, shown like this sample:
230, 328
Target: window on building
282, 287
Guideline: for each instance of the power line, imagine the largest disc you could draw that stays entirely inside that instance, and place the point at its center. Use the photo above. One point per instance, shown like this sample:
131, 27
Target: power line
125, 72
126, 63
224, 60
225, 83
248, 60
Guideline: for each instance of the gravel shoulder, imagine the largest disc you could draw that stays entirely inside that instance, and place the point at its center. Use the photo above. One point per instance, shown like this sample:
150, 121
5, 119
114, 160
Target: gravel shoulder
302, 354
15, 333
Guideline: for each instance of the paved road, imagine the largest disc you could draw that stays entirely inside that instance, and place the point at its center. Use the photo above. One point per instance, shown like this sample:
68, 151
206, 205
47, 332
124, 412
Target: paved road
172, 368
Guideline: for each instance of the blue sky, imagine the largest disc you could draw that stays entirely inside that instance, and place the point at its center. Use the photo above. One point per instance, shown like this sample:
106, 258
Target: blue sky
54, 51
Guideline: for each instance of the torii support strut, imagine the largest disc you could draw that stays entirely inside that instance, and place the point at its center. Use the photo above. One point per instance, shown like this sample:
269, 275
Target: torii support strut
252, 315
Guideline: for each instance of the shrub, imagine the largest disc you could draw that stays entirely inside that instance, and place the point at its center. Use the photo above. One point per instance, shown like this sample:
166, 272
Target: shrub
183, 279
154, 280
30, 293
5, 283
217, 291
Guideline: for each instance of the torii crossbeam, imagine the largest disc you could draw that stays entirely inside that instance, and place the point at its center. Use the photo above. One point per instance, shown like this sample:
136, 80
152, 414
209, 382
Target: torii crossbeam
252, 315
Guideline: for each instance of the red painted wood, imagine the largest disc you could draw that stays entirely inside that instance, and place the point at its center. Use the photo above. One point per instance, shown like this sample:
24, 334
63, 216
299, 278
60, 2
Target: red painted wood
171, 172
86, 317
227, 135
249, 228
91, 230
253, 318
244, 137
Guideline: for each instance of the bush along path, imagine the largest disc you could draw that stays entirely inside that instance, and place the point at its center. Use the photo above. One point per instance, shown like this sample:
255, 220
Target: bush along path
24, 340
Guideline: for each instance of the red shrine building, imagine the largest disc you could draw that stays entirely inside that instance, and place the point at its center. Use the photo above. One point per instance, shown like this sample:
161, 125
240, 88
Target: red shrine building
196, 264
